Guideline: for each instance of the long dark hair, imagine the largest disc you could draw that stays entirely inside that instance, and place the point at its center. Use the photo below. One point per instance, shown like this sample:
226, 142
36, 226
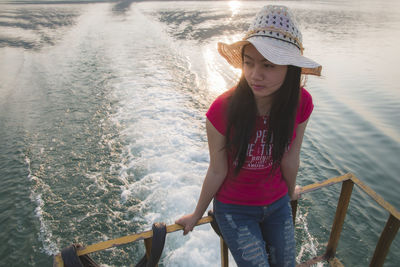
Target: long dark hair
242, 112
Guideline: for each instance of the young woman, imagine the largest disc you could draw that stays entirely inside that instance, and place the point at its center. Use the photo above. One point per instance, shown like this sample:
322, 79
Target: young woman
255, 131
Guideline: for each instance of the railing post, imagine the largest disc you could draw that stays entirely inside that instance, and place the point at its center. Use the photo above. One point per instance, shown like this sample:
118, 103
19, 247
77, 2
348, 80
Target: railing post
224, 253
147, 243
341, 210
385, 240
294, 203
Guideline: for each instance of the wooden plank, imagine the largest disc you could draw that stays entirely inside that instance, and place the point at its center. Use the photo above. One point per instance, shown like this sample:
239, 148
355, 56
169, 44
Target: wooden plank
348, 182
335, 263
392, 210
341, 210
58, 261
311, 262
224, 253
132, 238
329, 182
385, 240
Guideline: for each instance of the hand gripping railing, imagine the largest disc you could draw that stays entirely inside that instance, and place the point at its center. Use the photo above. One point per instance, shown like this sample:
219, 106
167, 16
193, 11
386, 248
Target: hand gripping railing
382, 248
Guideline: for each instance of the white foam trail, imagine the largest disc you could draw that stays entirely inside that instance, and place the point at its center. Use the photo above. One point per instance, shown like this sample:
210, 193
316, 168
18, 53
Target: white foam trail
45, 234
310, 244
165, 157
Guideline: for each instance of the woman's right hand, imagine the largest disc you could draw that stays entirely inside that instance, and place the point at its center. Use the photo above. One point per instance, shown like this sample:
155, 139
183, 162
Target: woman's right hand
188, 222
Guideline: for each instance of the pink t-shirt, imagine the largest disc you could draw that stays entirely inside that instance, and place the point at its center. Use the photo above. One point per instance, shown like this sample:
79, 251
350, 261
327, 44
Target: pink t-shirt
253, 185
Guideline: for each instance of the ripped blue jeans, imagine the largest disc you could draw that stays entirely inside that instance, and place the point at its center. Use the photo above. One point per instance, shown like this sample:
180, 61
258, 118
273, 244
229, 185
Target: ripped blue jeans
258, 235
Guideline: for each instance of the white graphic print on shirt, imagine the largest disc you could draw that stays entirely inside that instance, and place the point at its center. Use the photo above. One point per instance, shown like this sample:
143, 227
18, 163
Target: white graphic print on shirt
258, 152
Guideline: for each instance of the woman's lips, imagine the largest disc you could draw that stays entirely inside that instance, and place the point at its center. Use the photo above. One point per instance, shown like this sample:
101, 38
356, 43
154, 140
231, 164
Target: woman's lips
257, 87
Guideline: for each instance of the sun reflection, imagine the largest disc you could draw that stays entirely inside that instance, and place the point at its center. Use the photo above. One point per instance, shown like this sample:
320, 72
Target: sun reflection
234, 6
214, 79
220, 75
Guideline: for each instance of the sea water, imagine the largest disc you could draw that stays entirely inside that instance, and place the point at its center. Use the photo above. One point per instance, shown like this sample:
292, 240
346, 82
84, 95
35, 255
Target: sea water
102, 125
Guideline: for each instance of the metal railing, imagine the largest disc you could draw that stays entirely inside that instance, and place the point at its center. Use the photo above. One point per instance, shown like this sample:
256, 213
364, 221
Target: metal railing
348, 181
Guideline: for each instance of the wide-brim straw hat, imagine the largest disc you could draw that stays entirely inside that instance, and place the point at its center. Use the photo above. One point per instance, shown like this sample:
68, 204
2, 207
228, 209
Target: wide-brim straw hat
274, 33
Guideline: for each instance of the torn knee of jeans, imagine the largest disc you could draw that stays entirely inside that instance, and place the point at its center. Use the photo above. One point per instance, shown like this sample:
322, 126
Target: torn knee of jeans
252, 248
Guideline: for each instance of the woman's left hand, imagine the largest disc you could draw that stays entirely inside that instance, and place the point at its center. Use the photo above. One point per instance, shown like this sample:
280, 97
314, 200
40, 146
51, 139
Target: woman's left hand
188, 222
297, 193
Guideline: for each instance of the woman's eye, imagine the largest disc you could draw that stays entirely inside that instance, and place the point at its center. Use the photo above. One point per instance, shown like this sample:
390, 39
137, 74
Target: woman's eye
247, 63
269, 65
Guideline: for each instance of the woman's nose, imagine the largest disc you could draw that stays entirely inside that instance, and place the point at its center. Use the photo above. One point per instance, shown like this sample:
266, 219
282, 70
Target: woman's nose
257, 73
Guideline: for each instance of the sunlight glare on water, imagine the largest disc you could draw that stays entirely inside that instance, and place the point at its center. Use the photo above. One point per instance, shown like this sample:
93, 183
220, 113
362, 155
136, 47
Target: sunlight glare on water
235, 7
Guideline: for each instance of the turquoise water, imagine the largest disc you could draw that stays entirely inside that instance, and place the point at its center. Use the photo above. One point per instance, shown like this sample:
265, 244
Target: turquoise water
102, 123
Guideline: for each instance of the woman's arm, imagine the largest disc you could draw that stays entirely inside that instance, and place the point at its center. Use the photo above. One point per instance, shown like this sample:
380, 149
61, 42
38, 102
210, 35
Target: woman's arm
291, 161
215, 176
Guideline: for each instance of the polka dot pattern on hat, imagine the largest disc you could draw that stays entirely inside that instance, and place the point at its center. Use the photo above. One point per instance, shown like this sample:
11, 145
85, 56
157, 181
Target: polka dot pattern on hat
276, 22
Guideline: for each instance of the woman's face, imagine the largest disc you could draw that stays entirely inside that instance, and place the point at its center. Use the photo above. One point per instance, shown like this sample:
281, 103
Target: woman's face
263, 77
